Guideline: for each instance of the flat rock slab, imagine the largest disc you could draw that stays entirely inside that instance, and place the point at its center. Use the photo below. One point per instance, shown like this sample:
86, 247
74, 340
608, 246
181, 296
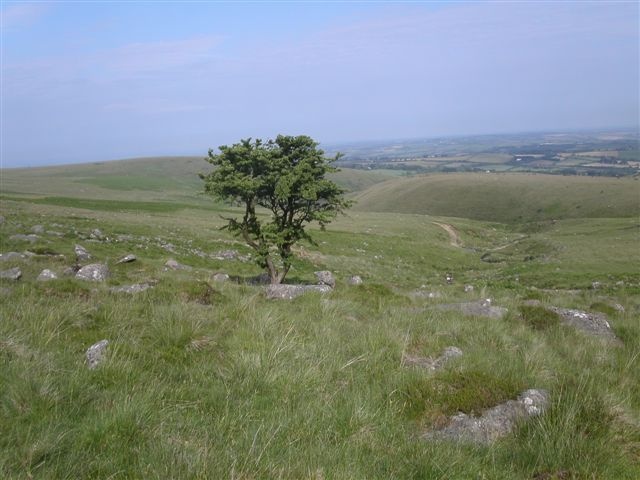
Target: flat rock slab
94, 272
5, 257
95, 353
135, 288
494, 423
127, 259
11, 274
288, 292
591, 323
480, 308
430, 363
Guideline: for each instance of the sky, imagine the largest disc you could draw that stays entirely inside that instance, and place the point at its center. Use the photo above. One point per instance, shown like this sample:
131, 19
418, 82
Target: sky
89, 81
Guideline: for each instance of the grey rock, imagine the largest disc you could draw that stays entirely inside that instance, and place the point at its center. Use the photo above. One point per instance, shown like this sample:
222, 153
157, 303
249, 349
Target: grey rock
325, 277
596, 285
96, 234
448, 278
288, 292
174, 265
354, 280
468, 288
94, 272
220, 277
81, 253
618, 307
125, 238
127, 259
588, 322
480, 308
31, 238
135, 288
37, 229
5, 257
432, 364
71, 271
46, 275
95, 353
13, 274
53, 233
225, 255
495, 422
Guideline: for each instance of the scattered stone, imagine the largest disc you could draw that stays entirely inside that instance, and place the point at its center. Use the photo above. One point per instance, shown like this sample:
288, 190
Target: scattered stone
225, 255
13, 274
468, 288
620, 283
618, 308
354, 280
37, 229
96, 234
94, 272
220, 277
46, 275
174, 265
53, 233
31, 238
591, 323
81, 253
127, 259
430, 363
448, 278
596, 285
480, 308
135, 288
288, 292
125, 238
5, 257
325, 277
425, 294
495, 422
95, 353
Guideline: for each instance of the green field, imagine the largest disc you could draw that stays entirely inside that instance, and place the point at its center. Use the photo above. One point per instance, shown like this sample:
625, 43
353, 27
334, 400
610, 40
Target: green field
213, 380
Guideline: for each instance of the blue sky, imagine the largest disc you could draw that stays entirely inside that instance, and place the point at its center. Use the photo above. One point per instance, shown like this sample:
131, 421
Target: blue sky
86, 81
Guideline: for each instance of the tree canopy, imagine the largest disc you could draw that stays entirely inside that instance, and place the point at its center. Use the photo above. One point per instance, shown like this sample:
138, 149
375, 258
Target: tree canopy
286, 176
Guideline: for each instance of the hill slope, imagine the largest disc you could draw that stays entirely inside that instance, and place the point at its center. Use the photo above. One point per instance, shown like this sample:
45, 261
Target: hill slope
505, 197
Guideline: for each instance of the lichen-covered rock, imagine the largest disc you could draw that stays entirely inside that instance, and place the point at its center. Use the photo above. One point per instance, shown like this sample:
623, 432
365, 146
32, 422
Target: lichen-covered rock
5, 257
174, 265
46, 275
494, 422
325, 277
95, 353
127, 258
589, 322
94, 272
13, 274
81, 253
288, 292
220, 277
135, 288
354, 280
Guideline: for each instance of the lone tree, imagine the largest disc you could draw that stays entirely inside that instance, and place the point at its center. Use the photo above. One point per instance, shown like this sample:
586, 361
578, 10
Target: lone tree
286, 176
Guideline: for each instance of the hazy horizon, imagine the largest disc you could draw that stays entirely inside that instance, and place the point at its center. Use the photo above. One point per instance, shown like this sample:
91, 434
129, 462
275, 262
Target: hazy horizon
84, 82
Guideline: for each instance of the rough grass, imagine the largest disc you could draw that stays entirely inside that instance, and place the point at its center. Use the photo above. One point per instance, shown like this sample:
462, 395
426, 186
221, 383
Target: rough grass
212, 380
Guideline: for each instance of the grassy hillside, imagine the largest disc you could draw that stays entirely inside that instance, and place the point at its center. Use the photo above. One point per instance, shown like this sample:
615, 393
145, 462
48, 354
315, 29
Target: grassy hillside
212, 380
505, 197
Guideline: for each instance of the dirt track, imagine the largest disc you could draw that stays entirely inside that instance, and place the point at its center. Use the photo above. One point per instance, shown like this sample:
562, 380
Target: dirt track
453, 235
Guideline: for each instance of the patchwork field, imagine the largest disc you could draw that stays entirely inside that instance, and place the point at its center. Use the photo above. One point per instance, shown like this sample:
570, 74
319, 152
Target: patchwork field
205, 377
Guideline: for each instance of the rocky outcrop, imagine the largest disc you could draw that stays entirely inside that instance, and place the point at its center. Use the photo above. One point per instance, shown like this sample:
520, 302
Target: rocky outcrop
588, 322
494, 423
288, 292
94, 272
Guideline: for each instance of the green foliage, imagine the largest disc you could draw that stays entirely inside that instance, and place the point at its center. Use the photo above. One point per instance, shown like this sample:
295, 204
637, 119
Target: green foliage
538, 317
286, 176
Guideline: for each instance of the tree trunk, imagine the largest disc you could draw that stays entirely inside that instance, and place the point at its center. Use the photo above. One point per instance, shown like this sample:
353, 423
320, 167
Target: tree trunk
273, 272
